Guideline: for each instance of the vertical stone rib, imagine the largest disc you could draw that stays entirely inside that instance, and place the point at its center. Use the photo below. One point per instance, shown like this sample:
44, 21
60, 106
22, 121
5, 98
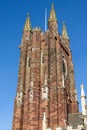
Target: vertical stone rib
62, 106
74, 104
47, 75
35, 72
18, 108
27, 86
53, 83
44, 102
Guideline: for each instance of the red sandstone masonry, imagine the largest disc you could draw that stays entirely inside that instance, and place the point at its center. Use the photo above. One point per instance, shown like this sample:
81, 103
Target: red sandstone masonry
29, 115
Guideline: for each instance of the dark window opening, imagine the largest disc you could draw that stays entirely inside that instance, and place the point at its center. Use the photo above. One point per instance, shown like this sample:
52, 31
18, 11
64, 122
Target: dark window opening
55, 38
29, 62
64, 69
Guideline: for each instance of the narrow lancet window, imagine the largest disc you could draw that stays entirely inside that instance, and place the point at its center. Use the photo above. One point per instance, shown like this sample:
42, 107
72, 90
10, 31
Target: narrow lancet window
28, 62
45, 88
64, 73
45, 93
64, 68
19, 99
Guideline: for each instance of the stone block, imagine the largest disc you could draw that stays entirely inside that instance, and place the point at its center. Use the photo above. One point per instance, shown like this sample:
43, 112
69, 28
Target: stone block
59, 128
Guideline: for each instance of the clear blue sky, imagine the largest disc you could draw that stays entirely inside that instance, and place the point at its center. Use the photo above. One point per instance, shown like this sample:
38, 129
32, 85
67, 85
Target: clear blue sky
12, 18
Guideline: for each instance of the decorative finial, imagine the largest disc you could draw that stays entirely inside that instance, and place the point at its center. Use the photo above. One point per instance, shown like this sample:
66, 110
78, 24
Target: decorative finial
52, 5
64, 32
27, 24
83, 100
52, 14
82, 90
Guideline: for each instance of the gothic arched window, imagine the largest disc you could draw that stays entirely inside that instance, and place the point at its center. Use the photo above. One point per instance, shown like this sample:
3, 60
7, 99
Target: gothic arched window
64, 68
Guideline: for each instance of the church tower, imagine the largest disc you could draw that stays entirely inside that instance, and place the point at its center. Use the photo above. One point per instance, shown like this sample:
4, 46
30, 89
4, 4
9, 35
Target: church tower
46, 91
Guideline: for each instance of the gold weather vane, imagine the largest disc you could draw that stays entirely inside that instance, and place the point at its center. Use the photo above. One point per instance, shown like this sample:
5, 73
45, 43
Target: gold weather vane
52, 14
27, 24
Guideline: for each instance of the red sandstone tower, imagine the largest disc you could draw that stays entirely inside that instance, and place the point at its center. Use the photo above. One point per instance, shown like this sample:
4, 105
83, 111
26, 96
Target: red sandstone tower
46, 91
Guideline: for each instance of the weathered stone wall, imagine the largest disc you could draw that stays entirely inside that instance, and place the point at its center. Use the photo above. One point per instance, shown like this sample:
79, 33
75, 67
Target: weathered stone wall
45, 82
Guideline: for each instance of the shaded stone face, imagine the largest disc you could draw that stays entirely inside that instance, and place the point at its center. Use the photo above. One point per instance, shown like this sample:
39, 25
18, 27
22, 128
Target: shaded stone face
45, 81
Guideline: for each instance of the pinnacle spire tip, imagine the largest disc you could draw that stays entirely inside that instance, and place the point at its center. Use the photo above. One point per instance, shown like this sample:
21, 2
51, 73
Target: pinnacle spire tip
52, 5
52, 13
27, 24
64, 31
28, 15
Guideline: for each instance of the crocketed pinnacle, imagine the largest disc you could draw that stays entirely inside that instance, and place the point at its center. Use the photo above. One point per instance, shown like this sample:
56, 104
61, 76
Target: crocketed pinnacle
52, 14
64, 32
27, 24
